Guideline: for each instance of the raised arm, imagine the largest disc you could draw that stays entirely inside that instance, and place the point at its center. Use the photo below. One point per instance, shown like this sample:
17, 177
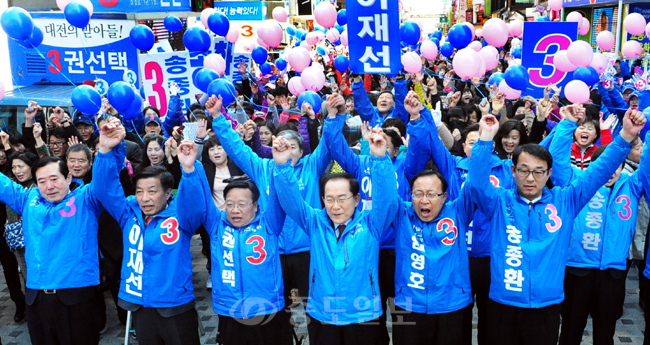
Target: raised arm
361, 101
478, 179
274, 213
641, 177
560, 149
385, 188
401, 90
335, 141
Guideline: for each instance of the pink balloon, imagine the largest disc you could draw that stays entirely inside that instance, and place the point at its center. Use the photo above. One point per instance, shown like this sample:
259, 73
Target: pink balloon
261, 42
62, 4
344, 38
647, 30
271, 32
490, 55
215, 62
634, 24
584, 28
280, 14
311, 38
599, 62
325, 14
476, 45
320, 35
466, 63
479, 33
482, 69
2, 90
312, 78
605, 40
576, 91
429, 50
299, 59
295, 86
575, 16
333, 35
471, 27
580, 53
632, 49
555, 5
205, 14
412, 62
561, 61
233, 35
516, 27
305, 45
509, 92
249, 46
495, 32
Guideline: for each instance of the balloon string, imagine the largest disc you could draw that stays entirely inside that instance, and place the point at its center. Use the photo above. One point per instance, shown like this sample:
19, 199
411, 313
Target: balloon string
19, 90
135, 129
83, 38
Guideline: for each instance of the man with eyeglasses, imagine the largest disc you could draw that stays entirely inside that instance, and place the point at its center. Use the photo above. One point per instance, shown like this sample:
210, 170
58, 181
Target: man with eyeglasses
247, 275
532, 227
344, 298
425, 145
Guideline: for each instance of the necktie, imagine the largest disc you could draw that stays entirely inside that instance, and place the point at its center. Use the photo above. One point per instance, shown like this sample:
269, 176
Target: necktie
340, 228
147, 220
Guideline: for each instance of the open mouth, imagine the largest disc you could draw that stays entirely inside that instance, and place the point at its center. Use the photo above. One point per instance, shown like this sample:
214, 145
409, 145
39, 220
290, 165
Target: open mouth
510, 147
584, 138
236, 219
425, 212
147, 208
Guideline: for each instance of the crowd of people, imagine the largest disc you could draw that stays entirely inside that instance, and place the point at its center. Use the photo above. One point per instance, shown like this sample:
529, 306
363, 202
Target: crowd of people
404, 199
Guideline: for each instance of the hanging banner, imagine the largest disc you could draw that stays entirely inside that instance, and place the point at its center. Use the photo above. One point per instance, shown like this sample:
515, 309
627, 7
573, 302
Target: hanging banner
139, 6
644, 10
241, 10
373, 37
543, 41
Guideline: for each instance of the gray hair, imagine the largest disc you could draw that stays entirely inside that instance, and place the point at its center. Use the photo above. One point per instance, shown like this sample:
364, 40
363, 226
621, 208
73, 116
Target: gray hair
289, 134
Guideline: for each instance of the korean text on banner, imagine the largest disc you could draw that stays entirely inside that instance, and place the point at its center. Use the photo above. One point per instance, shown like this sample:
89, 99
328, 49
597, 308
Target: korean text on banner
373, 36
139, 6
543, 41
644, 10
241, 10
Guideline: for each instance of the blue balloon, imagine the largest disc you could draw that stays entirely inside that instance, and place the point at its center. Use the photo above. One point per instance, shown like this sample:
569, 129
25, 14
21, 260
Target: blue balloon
517, 77
312, 98
341, 63
447, 49
595, 77
583, 74
437, 34
340, 28
223, 88
297, 44
203, 77
409, 32
86, 99
259, 55
142, 37
341, 17
516, 53
77, 15
495, 79
120, 95
436, 41
135, 108
337, 43
646, 128
321, 51
542, 19
291, 31
460, 36
301, 33
17, 23
34, 40
173, 24
197, 39
281, 64
219, 23
266, 68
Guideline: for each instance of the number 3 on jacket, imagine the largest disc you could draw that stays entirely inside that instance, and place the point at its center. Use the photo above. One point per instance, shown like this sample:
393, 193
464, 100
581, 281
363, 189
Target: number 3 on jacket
172, 235
257, 248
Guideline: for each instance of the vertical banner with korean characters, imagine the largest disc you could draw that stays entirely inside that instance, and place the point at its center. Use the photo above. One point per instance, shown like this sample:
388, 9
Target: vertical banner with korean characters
158, 70
543, 41
135, 6
102, 50
373, 36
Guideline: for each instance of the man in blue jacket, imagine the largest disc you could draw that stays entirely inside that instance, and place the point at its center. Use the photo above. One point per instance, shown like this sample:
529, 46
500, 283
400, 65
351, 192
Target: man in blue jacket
600, 243
344, 299
60, 232
294, 243
532, 227
388, 104
156, 284
246, 270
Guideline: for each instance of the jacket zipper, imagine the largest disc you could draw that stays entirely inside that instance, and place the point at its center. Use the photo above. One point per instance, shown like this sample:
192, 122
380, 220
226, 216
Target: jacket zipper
313, 284
345, 254
372, 285
241, 283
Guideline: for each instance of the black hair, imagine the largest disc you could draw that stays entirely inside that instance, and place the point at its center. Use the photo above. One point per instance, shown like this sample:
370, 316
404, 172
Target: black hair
388, 92
395, 138
596, 124
469, 129
210, 143
280, 91
424, 173
515, 106
599, 151
198, 114
15, 138
63, 167
58, 132
267, 124
471, 107
194, 107
397, 123
249, 109
354, 184
149, 138
457, 112
26, 156
595, 97
535, 150
155, 171
242, 184
506, 128
287, 126
81, 148
144, 111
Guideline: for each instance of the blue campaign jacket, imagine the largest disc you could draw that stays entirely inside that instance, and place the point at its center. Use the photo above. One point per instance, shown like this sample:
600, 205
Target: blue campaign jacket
368, 112
343, 279
454, 169
432, 266
307, 171
603, 231
246, 270
530, 240
157, 264
60, 238
359, 167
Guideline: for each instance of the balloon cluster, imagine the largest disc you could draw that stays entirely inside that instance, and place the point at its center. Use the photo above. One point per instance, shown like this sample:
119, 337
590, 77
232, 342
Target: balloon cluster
18, 25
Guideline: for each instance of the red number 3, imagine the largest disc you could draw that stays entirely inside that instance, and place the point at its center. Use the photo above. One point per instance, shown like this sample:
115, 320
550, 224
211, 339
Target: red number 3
172, 235
257, 248
448, 225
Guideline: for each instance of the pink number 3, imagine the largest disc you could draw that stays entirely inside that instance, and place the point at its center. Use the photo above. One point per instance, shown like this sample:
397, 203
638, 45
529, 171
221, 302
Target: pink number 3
557, 221
172, 235
73, 209
449, 227
543, 46
625, 200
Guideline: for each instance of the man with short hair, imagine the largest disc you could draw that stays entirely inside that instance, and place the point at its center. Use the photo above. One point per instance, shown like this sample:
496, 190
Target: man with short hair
388, 104
60, 231
531, 230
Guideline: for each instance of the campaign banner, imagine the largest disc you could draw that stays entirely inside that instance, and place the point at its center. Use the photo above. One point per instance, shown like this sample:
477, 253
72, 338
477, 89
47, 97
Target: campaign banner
644, 10
160, 69
373, 37
604, 19
141, 6
241, 10
543, 41
101, 50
